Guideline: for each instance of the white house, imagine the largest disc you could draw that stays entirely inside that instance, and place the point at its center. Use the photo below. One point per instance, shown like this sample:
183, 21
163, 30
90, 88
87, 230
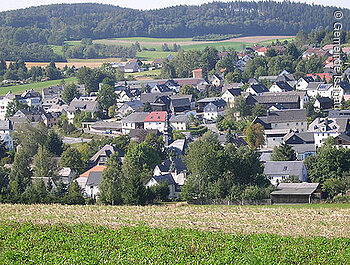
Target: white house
179, 122
214, 109
279, 171
135, 120
303, 82
230, 95
167, 178
156, 120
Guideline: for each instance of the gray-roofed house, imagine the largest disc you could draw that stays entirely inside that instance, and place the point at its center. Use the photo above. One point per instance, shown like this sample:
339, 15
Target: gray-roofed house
296, 193
93, 183
135, 120
214, 109
131, 67
325, 127
82, 105
52, 92
302, 143
303, 82
160, 88
168, 179
230, 95
180, 103
323, 103
6, 126
179, 122
256, 89
102, 155
280, 86
130, 106
178, 146
279, 171
31, 98
284, 100
106, 127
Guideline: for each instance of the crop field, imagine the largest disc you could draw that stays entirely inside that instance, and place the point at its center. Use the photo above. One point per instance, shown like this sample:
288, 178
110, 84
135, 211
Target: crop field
174, 234
37, 86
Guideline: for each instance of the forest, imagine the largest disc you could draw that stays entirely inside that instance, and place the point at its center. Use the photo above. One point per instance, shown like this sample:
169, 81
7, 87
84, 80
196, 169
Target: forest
23, 32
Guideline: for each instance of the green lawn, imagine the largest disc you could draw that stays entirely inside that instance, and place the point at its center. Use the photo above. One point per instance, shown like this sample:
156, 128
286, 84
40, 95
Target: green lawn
86, 244
151, 55
37, 86
155, 72
149, 39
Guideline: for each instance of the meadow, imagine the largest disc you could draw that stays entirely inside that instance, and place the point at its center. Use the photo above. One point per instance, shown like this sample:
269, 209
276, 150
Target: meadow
37, 86
174, 234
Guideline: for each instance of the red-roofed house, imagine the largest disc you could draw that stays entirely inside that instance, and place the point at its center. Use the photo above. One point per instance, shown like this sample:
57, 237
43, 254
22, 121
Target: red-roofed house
156, 120
90, 180
198, 73
323, 76
262, 51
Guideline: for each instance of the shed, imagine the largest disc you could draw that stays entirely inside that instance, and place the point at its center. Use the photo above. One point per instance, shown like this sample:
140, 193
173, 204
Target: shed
296, 193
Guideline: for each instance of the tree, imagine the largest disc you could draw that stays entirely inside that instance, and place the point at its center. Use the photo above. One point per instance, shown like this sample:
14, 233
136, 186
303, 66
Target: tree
168, 70
259, 110
44, 164
20, 175
69, 93
283, 152
71, 158
134, 191
54, 143
14, 106
334, 186
110, 187
74, 195
4, 183
241, 107
160, 191
254, 135
106, 96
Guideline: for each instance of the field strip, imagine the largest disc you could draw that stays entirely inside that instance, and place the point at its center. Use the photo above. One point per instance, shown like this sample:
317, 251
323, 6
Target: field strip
327, 221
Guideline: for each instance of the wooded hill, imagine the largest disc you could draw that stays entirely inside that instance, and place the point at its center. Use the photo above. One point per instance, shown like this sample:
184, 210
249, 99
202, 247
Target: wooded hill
52, 24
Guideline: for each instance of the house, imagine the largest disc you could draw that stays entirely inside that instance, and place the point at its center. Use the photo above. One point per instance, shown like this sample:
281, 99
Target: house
102, 155
323, 103
135, 120
7, 140
49, 103
31, 98
178, 146
158, 63
286, 77
303, 82
156, 120
131, 67
280, 86
6, 126
52, 92
36, 115
158, 101
282, 100
230, 95
127, 95
321, 76
90, 180
82, 105
198, 73
106, 127
179, 122
160, 88
178, 171
139, 135
67, 175
216, 80
342, 140
205, 101
180, 103
296, 193
256, 89
279, 171
303, 144
173, 85
262, 51
130, 106
4, 101
325, 127
294, 119
168, 179
214, 109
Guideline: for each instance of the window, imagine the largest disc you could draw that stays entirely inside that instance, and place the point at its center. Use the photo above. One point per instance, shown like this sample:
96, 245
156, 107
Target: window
297, 123
301, 123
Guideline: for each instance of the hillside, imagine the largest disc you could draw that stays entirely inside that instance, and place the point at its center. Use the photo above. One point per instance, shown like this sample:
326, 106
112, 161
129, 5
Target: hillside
52, 24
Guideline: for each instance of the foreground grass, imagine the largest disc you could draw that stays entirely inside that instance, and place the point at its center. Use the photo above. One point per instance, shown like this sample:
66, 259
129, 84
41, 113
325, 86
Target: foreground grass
328, 220
86, 244
37, 86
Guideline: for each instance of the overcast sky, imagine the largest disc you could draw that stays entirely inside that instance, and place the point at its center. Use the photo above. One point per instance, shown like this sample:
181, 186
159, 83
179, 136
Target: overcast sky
142, 4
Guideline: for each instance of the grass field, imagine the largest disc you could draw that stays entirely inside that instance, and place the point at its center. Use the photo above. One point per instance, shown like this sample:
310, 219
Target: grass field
152, 73
86, 244
305, 221
174, 234
38, 86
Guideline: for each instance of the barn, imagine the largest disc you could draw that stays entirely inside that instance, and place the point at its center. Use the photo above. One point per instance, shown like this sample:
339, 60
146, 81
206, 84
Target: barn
296, 193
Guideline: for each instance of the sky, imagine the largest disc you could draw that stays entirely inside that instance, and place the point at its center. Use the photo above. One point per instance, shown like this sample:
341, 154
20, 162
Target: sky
143, 4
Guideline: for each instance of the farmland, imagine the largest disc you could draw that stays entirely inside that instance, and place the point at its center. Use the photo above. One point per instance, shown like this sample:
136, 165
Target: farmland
174, 234
37, 86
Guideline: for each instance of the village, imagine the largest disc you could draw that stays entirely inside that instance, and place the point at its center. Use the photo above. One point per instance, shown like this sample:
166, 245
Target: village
302, 113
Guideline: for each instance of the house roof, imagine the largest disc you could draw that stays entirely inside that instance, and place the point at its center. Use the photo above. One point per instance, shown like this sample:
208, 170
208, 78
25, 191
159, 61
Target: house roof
140, 134
153, 97
179, 118
296, 189
168, 178
156, 116
107, 150
180, 102
94, 178
83, 105
286, 168
259, 88
283, 85
178, 146
285, 116
234, 91
6, 125
94, 169
135, 117
167, 165
304, 148
307, 137
338, 125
